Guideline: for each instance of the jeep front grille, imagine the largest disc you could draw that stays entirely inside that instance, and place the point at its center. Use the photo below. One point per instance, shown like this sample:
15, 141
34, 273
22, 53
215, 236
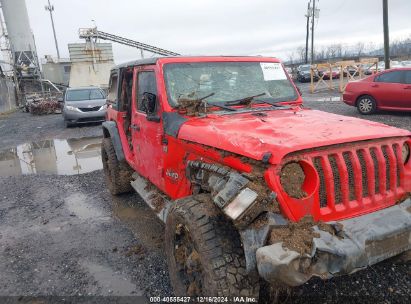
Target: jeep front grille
358, 177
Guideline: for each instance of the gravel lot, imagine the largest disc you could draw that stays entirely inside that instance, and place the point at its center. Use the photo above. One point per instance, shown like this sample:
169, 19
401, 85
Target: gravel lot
67, 236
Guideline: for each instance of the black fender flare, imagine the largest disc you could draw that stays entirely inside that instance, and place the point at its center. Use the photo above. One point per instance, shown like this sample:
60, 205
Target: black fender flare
110, 130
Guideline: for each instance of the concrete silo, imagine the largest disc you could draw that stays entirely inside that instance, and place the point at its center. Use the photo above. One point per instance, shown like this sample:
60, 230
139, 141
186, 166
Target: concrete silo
21, 39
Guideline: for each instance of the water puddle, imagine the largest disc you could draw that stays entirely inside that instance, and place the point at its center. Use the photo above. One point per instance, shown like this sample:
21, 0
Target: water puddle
80, 205
56, 156
112, 283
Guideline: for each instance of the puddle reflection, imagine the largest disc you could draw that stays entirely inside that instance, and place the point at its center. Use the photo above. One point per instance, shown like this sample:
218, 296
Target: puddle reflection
56, 156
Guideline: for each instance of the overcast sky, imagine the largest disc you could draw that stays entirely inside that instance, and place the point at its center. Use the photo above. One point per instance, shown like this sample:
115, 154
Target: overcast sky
249, 27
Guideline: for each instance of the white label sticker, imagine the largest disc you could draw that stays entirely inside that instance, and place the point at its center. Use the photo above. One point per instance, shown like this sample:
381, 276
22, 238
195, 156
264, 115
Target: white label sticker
273, 71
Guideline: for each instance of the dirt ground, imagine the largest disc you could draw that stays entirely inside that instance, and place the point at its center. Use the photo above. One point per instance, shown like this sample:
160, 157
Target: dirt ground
67, 236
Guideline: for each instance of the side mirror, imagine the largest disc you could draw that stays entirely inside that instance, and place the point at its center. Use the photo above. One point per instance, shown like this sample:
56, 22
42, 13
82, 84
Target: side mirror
149, 101
60, 99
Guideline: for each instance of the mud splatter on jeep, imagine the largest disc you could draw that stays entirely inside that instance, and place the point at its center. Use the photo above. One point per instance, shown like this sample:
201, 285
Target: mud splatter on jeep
292, 179
299, 236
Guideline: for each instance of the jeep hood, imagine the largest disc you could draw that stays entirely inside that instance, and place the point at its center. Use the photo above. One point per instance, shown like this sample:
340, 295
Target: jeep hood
281, 132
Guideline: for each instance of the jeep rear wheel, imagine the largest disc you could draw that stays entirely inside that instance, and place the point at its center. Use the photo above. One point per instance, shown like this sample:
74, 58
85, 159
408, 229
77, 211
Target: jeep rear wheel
204, 252
117, 173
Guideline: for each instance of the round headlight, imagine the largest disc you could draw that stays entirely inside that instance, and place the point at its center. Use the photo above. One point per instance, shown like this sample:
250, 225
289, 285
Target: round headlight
292, 180
405, 153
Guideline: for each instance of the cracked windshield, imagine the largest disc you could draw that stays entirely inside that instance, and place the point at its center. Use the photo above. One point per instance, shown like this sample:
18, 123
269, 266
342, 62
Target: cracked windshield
222, 83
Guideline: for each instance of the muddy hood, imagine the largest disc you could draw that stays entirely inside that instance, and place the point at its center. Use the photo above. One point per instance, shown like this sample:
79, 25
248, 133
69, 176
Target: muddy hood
281, 132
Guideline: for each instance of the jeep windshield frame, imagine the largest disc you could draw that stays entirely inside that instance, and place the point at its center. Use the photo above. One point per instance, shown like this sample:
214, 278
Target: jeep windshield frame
228, 80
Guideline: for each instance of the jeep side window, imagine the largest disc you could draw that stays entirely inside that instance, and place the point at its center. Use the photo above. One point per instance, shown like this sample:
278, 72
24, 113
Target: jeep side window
113, 89
126, 85
146, 83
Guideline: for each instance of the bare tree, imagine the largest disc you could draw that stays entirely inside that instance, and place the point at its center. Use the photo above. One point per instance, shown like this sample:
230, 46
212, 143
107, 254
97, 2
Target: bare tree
291, 57
359, 48
301, 53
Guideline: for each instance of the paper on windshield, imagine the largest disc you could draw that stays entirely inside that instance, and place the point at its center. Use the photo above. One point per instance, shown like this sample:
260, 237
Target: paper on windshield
273, 71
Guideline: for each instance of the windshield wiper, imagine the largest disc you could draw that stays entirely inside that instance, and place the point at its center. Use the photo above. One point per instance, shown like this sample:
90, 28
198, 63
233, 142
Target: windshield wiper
274, 102
249, 100
243, 101
207, 103
222, 106
202, 102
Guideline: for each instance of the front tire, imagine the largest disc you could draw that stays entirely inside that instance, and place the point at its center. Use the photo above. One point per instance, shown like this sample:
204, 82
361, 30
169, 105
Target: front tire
204, 252
366, 105
117, 173
67, 124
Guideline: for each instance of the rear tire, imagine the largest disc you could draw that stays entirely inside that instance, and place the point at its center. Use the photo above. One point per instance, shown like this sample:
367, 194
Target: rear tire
204, 252
117, 173
366, 105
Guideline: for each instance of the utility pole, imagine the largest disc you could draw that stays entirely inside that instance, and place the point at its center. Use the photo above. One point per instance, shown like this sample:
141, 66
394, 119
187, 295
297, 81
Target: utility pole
312, 32
386, 34
308, 15
50, 8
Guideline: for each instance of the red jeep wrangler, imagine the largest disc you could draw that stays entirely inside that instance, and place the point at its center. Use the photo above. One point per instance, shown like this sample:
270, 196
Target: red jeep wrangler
249, 183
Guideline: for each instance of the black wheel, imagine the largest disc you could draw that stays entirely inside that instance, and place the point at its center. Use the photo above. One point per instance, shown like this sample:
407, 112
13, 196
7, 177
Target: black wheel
67, 124
204, 252
366, 105
117, 173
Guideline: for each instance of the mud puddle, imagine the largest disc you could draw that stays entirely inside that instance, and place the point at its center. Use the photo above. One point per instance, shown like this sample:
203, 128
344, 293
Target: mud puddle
84, 208
111, 282
141, 220
56, 156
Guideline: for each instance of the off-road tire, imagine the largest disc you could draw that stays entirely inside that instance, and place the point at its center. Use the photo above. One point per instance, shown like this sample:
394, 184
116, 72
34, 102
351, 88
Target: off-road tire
366, 105
218, 246
117, 173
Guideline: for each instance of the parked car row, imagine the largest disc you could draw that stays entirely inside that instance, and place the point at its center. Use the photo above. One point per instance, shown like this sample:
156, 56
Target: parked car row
303, 72
386, 90
381, 66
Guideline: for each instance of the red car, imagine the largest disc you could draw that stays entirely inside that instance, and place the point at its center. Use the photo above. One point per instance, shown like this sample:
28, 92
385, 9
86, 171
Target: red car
387, 90
334, 73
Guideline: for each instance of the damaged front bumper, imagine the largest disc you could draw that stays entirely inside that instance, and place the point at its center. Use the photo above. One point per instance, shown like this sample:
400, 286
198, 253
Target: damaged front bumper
362, 241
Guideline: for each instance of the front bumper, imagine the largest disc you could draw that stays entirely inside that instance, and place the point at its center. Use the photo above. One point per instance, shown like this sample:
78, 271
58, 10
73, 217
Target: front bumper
362, 242
84, 117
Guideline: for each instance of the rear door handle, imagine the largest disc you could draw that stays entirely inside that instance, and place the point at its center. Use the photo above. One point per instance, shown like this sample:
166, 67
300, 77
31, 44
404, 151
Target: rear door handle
135, 127
375, 85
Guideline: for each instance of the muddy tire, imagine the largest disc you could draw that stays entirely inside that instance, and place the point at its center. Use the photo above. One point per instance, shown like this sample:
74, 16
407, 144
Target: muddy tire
117, 173
204, 252
366, 105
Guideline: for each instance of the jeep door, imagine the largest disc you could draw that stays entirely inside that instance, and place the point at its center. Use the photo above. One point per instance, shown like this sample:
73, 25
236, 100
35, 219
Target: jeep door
147, 129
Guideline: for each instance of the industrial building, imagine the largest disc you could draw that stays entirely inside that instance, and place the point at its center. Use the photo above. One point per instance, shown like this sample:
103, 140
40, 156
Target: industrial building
57, 70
